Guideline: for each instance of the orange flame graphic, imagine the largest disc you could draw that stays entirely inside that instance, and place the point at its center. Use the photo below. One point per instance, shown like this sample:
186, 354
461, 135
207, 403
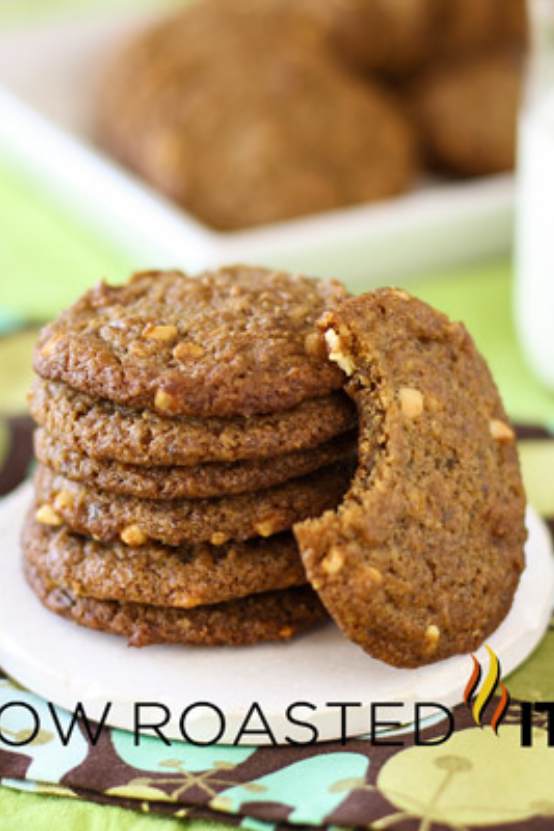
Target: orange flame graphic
473, 681
488, 687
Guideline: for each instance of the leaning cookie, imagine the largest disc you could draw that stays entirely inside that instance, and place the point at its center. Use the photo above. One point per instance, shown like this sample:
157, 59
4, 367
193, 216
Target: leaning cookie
109, 517
272, 616
422, 559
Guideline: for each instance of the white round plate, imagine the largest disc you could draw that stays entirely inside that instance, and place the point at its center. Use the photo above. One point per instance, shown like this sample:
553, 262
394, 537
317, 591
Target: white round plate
67, 664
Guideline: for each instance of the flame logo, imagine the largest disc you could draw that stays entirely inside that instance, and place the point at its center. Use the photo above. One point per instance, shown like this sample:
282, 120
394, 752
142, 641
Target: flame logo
488, 687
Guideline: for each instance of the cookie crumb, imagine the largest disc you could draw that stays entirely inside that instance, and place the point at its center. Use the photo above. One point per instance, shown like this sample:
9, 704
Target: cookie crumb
218, 538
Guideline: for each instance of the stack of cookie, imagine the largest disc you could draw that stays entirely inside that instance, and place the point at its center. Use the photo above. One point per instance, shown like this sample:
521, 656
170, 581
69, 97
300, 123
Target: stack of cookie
185, 424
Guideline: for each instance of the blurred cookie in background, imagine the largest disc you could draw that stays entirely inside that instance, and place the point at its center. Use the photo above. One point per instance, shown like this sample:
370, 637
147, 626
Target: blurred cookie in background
397, 37
467, 111
464, 26
389, 36
240, 112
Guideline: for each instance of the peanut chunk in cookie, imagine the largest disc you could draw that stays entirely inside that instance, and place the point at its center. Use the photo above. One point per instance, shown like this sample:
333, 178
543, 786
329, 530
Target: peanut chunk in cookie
186, 350
411, 402
47, 515
501, 432
160, 332
422, 558
337, 353
133, 535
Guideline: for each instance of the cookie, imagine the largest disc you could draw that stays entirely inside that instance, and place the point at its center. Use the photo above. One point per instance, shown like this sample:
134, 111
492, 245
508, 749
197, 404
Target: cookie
108, 517
467, 113
199, 481
182, 577
401, 37
213, 105
422, 558
237, 341
377, 35
261, 617
103, 430
471, 26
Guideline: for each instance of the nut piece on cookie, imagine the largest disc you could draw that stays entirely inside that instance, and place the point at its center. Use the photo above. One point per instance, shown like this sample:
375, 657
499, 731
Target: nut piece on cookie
162, 333
47, 516
185, 350
411, 565
501, 432
411, 402
133, 535
228, 343
337, 352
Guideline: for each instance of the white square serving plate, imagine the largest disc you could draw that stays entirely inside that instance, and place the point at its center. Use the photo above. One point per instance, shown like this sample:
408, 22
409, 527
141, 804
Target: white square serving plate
48, 72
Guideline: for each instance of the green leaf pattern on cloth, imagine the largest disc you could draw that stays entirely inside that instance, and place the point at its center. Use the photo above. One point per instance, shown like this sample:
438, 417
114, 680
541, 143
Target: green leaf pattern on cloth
477, 778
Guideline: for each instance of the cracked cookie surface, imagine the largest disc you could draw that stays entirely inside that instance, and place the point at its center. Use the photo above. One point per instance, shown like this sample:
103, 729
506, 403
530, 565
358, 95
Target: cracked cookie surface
239, 341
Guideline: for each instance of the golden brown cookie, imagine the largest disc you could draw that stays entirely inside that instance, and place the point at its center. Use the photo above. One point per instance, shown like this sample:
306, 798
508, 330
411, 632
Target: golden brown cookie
103, 430
153, 574
108, 517
422, 559
237, 341
467, 113
239, 112
398, 37
261, 617
471, 26
197, 482
390, 36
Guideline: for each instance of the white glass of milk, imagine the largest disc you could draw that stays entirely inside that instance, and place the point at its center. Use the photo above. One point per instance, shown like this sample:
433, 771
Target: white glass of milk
535, 200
